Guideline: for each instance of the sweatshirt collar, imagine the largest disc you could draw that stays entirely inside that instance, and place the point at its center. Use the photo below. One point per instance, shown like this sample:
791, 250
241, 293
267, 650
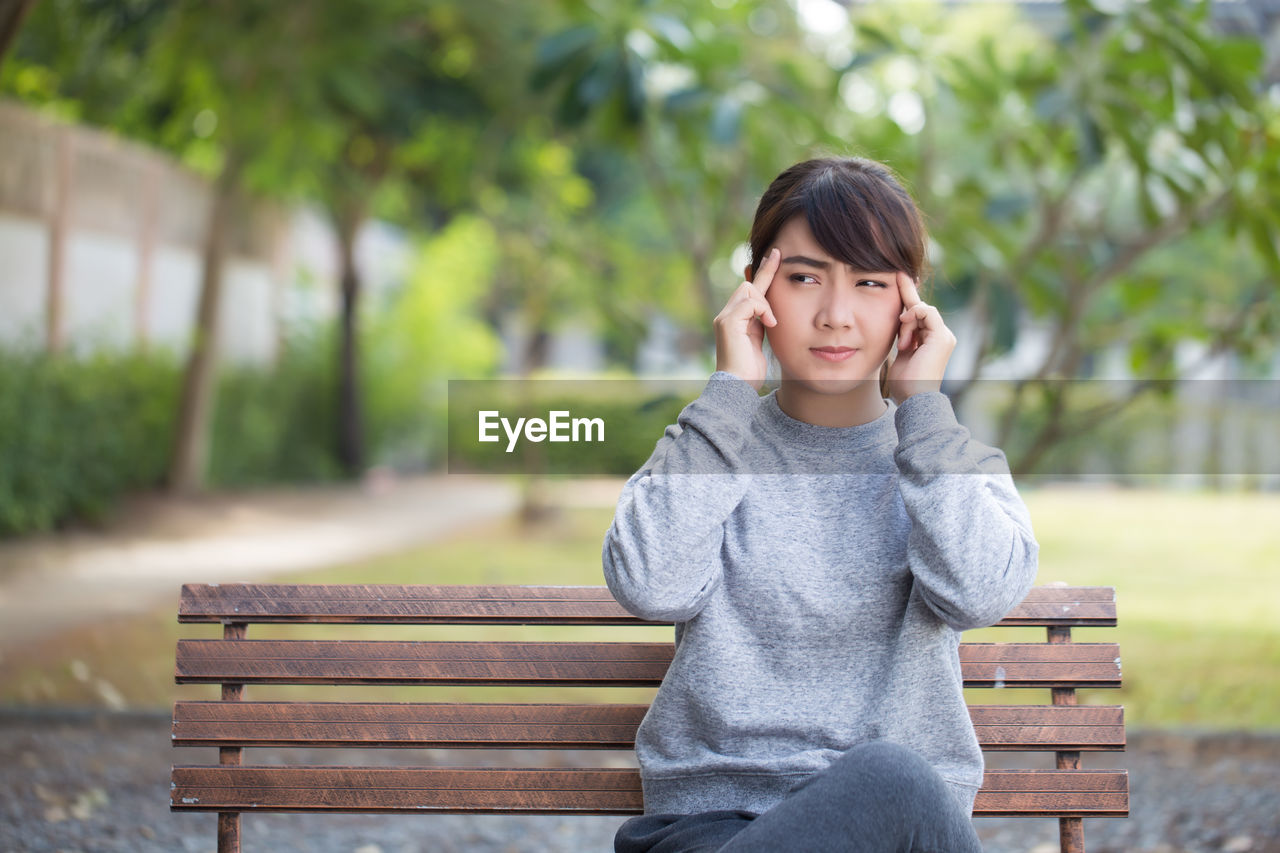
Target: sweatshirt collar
874, 433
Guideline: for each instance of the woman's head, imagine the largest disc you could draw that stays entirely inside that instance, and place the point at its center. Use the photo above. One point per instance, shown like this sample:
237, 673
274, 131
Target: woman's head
856, 209
862, 227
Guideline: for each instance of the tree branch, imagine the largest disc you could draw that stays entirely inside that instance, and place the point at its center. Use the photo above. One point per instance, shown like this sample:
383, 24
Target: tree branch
1089, 419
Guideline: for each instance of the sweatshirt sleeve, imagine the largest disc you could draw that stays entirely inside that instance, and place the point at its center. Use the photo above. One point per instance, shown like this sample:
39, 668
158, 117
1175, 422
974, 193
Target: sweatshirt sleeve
971, 548
662, 552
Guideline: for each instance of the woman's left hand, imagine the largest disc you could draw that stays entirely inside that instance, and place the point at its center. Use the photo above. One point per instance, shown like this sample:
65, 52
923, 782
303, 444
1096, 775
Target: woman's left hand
924, 345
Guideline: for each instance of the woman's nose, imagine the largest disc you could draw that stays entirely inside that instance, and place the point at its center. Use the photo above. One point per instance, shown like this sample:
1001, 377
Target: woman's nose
837, 308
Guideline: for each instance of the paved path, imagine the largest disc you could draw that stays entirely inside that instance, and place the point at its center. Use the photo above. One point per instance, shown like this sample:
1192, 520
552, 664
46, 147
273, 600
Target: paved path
51, 583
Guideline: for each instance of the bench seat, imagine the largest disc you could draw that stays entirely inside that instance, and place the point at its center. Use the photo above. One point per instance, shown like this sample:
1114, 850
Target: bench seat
1062, 727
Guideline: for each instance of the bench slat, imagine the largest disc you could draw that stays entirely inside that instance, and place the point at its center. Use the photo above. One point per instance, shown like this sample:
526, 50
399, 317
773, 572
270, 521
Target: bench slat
508, 726
423, 726
1082, 793
391, 662
565, 605
574, 664
1075, 728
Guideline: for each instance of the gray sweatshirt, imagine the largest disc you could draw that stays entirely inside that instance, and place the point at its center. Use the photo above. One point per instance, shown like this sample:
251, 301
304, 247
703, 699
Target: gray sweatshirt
819, 579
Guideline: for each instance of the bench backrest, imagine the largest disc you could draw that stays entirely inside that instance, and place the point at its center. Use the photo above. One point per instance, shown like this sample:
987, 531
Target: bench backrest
232, 724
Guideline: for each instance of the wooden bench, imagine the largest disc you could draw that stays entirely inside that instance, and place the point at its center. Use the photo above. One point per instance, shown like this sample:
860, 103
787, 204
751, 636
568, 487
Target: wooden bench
230, 787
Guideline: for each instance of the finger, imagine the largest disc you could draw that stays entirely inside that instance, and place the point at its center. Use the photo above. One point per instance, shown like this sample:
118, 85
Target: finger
760, 308
911, 320
764, 275
765, 313
907, 289
924, 316
905, 335
748, 304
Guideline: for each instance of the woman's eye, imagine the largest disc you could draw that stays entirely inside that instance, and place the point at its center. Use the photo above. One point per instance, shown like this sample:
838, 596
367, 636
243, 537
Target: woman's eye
802, 278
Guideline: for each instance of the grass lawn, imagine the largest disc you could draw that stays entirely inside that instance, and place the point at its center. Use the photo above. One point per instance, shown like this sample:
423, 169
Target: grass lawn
1197, 577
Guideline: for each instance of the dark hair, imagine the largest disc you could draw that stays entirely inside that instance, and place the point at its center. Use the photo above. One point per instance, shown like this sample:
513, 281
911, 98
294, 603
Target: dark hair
857, 209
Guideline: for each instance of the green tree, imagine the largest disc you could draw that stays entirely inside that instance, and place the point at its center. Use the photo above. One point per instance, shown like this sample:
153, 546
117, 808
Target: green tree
148, 68
371, 111
1057, 172
1054, 169
391, 81
707, 101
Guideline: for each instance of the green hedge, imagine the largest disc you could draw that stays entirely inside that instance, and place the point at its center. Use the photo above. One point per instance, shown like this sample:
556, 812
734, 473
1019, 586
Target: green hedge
277, 425
76, 433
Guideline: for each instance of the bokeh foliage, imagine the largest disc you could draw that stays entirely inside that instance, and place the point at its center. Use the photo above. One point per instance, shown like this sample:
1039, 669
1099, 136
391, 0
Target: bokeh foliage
1108, 178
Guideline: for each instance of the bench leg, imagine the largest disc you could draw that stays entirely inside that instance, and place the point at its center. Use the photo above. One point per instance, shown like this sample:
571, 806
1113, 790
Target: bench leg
1071, 833
229, 822
228, 832
1070, 829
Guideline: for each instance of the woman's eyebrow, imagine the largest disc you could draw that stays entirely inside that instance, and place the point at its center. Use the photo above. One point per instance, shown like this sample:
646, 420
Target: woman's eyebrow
822, 265
807, 261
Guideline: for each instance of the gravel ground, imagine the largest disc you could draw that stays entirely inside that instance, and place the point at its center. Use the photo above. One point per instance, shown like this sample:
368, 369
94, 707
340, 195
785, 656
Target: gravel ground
100, 783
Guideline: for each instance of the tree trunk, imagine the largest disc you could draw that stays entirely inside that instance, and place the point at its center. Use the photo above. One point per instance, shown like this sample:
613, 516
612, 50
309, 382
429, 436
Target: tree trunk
199, 387
12, 13
351, 451
537, 351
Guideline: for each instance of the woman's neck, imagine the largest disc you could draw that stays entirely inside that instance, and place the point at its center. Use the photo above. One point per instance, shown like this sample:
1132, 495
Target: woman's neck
859, 405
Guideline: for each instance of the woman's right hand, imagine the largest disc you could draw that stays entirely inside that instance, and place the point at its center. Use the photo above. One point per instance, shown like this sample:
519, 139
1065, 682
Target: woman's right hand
740, 326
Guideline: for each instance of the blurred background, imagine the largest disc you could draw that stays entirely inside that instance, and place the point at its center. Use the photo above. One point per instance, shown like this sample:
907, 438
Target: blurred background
245, 245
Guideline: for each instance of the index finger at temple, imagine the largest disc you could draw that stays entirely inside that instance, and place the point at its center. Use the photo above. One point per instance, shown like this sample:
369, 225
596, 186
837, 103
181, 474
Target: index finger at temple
764, 275
907, 287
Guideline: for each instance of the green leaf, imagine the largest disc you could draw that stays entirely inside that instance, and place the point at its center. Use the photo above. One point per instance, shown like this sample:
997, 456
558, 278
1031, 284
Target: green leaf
877, 36
1052, 104
1092, 146
600, 79
1264, 238
558, 54
671, 30
684, 101
1006, 207
726, 118
633, 87
355, 92
861, 59
566, 44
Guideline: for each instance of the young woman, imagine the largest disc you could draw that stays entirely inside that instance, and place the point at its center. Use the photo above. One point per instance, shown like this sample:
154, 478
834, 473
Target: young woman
819, 549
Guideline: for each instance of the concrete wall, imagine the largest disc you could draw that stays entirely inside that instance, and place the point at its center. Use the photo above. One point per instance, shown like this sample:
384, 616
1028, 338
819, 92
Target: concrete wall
129, 221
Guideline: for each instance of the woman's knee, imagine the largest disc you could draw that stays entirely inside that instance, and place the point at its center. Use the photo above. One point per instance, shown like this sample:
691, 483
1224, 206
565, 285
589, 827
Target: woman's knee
903, 788
883, 765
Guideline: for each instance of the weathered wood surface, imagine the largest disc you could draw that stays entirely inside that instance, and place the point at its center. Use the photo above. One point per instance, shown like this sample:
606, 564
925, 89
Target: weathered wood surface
1014, 728
564, 605
577, 664
1064, 727
565, 726
1083, 793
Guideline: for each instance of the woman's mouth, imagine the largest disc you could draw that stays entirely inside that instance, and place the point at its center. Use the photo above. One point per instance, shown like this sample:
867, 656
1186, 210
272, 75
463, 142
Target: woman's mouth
832, 353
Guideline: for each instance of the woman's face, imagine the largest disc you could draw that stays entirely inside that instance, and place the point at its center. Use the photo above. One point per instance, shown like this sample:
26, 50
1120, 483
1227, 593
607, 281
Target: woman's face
836, 325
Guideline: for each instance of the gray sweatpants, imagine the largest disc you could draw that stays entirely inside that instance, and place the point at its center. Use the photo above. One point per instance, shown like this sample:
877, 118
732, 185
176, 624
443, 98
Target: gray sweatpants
878, 797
